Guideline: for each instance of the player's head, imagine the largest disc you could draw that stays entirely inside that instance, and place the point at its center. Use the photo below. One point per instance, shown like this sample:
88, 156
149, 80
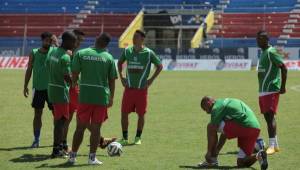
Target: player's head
102, 40
138, 38
68, 40
46, 39
262, 39
54, 41
80, 37
207, 103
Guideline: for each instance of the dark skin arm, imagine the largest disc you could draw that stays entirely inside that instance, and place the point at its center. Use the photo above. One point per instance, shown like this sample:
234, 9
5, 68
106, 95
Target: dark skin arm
28, 75
75, 77
222, 141
283, 78
212, 140
120, 69
156, 73
111, 84
68, 79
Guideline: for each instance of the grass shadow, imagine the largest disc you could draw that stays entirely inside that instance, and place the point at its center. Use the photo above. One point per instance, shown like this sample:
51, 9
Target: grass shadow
22, 148
30, 158
62, 165
215, 167
229, 153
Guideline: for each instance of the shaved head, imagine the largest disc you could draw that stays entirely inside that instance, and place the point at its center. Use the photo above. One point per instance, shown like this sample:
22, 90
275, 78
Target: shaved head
207, 103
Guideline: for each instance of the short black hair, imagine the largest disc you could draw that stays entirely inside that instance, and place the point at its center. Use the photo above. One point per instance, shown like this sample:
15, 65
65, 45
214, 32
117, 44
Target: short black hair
142, 33
105, 38
68, 36
78, 32
262, 33
46, 35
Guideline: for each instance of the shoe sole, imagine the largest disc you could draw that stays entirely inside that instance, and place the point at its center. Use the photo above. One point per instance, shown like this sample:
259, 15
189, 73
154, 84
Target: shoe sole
264, 165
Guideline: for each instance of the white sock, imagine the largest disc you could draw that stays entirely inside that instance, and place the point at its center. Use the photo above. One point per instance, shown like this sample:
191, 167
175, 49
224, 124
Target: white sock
272, 142
276, 142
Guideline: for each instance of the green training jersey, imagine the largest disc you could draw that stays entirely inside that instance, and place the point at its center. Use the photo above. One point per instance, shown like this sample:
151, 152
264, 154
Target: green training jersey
96, 68
39, 71
58, 63
269, 74
235, 110
138, 66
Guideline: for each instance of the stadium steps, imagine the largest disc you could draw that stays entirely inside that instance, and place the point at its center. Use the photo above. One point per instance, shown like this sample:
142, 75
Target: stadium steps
114, 24
88, 8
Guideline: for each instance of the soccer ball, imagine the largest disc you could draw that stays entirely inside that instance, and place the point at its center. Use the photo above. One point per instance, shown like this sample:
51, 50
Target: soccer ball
114, 149
259, 145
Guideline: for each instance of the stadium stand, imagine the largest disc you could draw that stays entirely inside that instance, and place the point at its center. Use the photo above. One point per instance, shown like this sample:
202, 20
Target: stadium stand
236, 21
237, 25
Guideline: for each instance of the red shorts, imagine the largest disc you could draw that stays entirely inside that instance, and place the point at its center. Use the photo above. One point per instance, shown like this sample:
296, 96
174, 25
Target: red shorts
61, 110
246, 136
91, 113
73, 105
134, 100
269, 103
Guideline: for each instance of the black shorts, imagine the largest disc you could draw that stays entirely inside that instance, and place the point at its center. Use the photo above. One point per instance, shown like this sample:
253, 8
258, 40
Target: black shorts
39, 99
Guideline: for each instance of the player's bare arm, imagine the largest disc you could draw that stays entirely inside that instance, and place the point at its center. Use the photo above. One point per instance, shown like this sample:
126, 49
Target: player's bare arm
221, 142
68, 79
283, 78
155, 74
111, 84
120, 70
28, 75
212, 140
75, 77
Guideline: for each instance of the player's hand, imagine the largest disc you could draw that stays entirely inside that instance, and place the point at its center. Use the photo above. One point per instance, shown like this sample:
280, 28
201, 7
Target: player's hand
282, 90
111, 101
26, 91
149, 82
124, 82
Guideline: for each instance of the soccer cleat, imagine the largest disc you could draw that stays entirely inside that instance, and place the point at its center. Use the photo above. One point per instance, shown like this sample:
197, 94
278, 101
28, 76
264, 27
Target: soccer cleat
123, 142
277, 149
271, 150
105, 142
206, 164
72, 160
94, 162
56, 154
137, 141
35, 144
262, 159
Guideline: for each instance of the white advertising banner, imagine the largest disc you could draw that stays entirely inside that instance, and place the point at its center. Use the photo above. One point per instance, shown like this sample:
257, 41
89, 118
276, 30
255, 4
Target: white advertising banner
292, 64
197, 65
13, 62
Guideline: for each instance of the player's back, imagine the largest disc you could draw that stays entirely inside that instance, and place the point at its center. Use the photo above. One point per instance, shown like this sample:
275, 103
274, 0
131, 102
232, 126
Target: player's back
58, 64
240, 112
96, 67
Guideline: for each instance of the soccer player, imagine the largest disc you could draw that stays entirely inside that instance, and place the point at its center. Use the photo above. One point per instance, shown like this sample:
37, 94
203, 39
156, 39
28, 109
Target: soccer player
97, 87
58, 63
136, 83
73, 91
36, 66
234, 119
272, 75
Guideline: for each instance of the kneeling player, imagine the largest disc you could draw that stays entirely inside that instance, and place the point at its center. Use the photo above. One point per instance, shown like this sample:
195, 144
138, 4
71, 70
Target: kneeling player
234, 119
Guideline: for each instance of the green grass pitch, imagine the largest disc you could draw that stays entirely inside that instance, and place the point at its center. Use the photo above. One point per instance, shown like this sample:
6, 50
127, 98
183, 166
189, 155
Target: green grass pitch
175, 130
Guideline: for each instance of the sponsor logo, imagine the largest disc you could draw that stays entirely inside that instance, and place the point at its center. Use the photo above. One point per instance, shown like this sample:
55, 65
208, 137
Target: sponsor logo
13, 62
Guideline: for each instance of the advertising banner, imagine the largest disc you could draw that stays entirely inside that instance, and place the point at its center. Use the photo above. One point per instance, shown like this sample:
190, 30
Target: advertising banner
13, 62
196, 65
